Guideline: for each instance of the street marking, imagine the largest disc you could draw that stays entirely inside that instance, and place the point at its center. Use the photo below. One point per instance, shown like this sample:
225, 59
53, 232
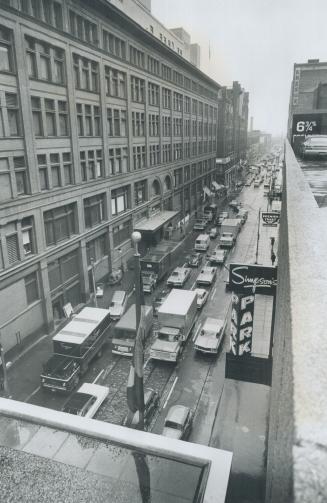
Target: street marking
32, 394
196, 333
98, 376
130, 293
170, 392
213, 293
192, 287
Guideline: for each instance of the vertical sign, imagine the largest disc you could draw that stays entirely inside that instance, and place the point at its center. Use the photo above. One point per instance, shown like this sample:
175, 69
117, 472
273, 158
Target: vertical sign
241, 324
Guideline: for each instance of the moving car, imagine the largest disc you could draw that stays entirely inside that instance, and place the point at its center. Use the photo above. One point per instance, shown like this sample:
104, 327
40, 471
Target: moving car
159, 300
200, 224
149, 281
151, 405
202, 297
206, 276
86, 400
256, 183
179, 276
213, 233
248, 183
178, 422
118, 304
99, 290
194, 260
314, 145
220, 220
217, 256
210, 336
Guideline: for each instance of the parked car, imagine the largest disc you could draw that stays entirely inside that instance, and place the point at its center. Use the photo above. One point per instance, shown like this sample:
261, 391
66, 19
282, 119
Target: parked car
151, 405
158, 301
248, 183
149, 281
86, 400
202, 297
314, 145
217, 256
99, 289
206, 276
213, 233
118, 304
200, 224
179, 276
210, 335
178, 422
194, 260
233, 203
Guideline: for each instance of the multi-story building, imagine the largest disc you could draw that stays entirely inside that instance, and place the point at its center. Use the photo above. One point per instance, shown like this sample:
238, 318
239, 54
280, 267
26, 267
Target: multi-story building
233, 109
102, 126
308, 101
176, 38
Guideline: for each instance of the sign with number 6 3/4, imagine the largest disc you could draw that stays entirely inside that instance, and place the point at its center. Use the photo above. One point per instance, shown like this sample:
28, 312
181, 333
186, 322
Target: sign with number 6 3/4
270, 218
306, 124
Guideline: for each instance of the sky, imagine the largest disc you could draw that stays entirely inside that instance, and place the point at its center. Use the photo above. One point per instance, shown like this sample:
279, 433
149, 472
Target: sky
255, 42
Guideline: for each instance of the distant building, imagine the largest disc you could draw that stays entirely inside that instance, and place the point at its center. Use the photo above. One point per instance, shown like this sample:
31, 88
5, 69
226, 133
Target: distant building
176, 38
233, 110
308, 101
259, 143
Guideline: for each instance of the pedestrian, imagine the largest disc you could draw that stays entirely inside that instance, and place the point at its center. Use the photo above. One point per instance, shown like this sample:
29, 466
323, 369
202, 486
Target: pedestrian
273, 258
272, 240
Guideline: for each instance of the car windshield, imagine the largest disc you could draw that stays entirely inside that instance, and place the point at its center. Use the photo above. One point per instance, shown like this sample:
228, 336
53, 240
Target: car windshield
146, 280
168, 337
175, 273
175, 426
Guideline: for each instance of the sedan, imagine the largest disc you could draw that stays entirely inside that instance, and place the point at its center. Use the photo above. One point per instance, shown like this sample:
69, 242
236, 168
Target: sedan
202, 297
151, 405
179, 276
99, 290
206, 276
86, 400
178, 422
194, 260
218, 256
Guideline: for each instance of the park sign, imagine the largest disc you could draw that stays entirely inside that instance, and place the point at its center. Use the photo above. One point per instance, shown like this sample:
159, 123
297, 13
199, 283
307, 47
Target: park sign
252, 278
270, 218
241, 324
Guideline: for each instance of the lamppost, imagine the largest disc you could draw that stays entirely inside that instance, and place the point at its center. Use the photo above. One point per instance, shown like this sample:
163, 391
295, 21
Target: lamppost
93, 282
136, 238
258, 237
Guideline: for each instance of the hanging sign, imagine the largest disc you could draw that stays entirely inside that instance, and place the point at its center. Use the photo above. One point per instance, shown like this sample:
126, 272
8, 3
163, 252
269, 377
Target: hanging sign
270, 218
252, 278
241, 324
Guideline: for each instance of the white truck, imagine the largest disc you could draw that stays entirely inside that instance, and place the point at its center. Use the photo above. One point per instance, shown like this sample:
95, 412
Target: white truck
176, 317
229, 231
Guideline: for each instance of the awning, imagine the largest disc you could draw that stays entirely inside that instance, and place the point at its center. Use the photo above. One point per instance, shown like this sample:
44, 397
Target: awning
155, 222
207, 191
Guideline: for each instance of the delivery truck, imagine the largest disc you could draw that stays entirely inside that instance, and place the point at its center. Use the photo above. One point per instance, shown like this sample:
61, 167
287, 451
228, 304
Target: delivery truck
176, 318
156, 262
229, 231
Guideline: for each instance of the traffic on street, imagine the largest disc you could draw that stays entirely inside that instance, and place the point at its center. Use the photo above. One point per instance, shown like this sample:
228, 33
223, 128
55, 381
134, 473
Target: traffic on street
186, 377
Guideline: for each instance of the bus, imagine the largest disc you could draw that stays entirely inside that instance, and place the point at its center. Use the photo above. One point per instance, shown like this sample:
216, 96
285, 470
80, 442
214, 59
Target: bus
125, 330
74, 346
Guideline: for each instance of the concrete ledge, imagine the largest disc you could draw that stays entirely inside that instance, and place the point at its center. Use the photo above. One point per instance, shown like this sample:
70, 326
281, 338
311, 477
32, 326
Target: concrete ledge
297, 445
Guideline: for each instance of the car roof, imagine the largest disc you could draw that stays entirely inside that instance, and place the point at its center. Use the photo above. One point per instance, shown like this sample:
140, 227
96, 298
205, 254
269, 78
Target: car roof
118, 295
177, 414
212, 324
93, 389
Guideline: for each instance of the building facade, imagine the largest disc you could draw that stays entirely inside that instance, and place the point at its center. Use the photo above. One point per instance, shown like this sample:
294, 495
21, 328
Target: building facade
233, 111
308, 101
101, 126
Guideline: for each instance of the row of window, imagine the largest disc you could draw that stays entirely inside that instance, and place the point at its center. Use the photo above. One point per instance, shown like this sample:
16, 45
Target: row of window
56, 169
47, 62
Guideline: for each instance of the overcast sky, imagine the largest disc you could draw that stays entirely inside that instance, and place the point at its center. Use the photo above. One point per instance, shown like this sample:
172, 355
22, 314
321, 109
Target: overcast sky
255, 42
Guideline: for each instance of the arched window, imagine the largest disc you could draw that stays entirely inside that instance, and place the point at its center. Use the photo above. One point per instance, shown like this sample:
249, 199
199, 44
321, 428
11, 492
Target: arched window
155, 189
167, 183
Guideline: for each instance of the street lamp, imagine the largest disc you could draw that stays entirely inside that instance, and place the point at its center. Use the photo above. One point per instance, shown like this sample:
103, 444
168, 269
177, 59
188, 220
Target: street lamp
93, 282
136, 238
4, 366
